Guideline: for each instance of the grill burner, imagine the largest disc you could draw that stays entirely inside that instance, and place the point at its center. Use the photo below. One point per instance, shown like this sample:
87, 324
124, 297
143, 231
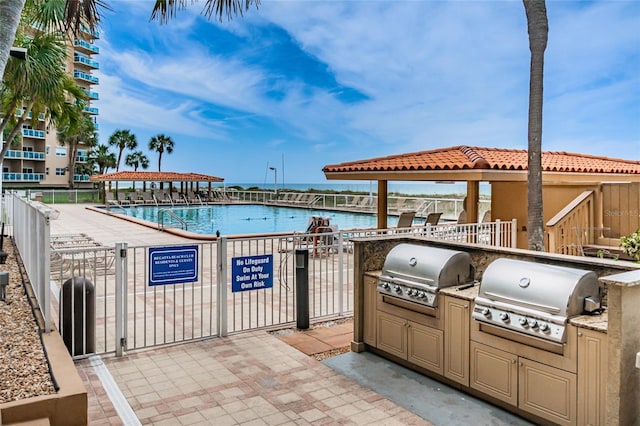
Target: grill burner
415, 273
534, 299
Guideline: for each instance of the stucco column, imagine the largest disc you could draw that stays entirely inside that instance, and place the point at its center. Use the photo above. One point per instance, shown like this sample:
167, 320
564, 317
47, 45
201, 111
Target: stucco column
473, 196
623, 335
382, 204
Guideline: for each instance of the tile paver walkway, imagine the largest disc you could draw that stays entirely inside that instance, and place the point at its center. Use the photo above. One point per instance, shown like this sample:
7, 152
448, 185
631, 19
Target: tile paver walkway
252, 378
249, 379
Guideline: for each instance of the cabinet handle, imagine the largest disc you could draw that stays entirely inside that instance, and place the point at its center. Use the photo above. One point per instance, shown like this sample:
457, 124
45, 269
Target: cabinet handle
579, 334
513, 361
520, 364
466, 306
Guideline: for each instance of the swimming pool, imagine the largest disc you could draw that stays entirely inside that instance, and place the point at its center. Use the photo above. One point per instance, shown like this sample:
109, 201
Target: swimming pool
233, 219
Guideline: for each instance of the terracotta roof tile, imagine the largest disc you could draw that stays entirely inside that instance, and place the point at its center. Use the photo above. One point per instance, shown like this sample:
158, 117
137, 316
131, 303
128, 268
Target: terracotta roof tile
131, 176
465, 157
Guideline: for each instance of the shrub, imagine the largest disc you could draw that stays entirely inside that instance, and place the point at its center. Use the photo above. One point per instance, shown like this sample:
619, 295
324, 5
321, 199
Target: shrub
631, 245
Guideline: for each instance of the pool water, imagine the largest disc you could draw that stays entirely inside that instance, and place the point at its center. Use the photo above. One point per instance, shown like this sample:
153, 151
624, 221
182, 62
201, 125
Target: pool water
250, 218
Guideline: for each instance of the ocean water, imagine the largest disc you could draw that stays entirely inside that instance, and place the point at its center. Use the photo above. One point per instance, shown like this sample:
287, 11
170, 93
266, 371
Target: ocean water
408, 188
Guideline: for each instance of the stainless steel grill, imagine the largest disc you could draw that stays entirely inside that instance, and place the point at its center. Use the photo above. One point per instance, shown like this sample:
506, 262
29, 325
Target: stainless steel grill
415, 273
534, 299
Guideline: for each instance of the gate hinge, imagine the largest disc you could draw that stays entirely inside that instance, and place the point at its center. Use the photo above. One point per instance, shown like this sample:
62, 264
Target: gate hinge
123, 343
123, 252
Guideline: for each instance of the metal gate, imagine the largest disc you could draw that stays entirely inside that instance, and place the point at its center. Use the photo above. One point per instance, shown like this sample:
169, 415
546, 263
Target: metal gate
133, 310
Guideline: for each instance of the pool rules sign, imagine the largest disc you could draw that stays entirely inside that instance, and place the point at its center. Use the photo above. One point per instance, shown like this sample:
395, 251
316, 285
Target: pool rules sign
252, 272
173, 265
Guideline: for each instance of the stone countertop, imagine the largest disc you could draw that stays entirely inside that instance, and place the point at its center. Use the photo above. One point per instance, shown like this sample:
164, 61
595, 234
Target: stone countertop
466, 293
592, 322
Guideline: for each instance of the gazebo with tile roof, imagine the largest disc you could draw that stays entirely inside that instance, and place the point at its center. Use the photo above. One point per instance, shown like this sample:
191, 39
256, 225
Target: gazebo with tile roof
565, 176
170, 177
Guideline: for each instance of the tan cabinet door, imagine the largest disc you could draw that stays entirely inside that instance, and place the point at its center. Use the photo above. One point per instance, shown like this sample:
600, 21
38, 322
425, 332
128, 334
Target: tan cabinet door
370, 296
547, 392
456, 339
592, 377
494, 372
392, 334
425, 347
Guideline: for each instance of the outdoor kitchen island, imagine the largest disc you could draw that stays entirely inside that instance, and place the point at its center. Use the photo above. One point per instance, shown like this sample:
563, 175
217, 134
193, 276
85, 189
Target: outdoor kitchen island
558, 370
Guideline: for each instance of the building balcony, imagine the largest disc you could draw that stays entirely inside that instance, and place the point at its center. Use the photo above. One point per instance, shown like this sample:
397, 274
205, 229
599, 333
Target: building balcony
19, 113
93, 33
86, 47
22, 177
14, 154
91, 110
86, 77
32, 133
91, 94
81, 178
83, 60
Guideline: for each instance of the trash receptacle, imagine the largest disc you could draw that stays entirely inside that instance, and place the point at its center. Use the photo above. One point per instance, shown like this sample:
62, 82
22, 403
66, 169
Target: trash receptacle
77, 315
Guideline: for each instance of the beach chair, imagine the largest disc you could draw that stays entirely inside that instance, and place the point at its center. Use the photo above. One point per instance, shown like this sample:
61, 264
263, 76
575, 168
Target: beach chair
406, 219
136, 198
147, 198
122, 199
433, 218
110, 201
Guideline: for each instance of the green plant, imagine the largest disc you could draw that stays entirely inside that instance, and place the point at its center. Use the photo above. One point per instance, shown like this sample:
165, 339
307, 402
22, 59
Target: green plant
631, 245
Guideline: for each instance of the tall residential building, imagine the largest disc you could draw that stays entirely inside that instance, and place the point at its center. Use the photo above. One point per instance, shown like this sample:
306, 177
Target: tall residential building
40, 161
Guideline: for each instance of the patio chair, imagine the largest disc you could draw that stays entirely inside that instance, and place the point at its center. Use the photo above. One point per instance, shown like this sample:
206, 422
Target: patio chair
122, 199
406, 219
110, 201
147, 198
433, 218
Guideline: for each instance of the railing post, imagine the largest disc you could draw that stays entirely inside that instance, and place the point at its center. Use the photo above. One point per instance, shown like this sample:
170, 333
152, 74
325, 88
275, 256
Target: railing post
221, 266
514, 233
121, 259
341, 268
498, 236
302, 288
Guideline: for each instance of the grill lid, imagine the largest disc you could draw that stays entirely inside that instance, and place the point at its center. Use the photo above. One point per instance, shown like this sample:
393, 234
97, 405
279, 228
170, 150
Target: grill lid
430, 266
538, 288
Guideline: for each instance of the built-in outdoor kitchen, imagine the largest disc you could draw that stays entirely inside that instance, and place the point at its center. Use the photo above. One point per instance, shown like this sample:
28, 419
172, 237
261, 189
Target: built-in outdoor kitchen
551, 338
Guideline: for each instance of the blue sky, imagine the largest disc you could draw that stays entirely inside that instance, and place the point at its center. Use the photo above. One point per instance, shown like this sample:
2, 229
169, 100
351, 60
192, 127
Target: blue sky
311, 83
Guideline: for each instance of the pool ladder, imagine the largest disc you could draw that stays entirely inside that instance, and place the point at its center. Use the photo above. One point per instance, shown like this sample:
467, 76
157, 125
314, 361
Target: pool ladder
163, 212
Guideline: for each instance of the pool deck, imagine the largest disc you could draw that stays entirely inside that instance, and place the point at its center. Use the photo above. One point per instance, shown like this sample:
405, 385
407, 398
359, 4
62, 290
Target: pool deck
252, 378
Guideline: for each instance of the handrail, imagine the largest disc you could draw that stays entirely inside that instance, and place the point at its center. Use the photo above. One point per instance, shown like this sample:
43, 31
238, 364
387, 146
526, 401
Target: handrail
162, 212
564, 229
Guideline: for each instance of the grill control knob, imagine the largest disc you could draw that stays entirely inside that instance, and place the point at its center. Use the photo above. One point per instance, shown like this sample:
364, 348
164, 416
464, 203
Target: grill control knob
486, 312
412, 292
544, 327
523, 322
422, 294
504, 316
397, 289
532, 323
385, 286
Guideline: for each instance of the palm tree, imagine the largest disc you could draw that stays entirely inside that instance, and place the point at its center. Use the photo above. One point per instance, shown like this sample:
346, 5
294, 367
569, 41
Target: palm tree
39, 83
160, 144
138, 159
164, 10
538, 28
122, 139
103, 160
63, 16
79, 129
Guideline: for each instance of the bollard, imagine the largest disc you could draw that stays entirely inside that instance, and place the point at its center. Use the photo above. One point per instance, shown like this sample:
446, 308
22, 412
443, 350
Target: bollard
302, 288
77, 316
